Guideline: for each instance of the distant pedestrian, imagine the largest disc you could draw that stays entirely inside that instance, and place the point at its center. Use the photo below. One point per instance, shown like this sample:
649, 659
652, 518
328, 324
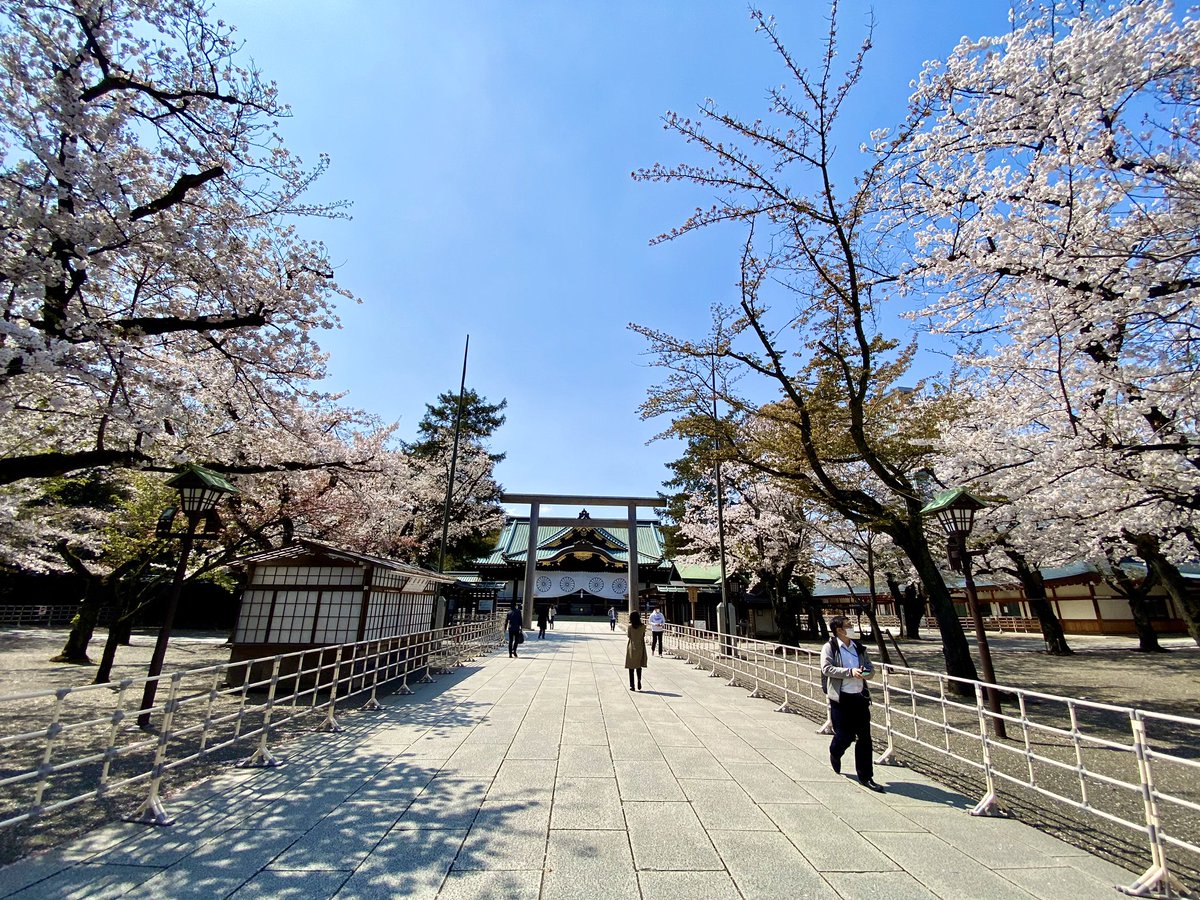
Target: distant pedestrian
543, 618
553, 613
845, 668
612, 618
658, 622
635, 650
516, 629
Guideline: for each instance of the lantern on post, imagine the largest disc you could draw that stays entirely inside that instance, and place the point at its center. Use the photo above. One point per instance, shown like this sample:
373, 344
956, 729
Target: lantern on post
955, 510
199, 491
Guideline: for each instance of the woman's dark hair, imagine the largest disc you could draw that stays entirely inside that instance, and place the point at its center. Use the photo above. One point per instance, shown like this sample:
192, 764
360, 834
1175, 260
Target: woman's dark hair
635, 619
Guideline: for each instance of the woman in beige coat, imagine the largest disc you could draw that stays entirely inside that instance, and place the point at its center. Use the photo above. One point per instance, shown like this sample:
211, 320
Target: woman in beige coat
635, 650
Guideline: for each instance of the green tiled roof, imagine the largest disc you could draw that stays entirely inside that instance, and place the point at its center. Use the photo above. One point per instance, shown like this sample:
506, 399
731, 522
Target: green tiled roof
513, 543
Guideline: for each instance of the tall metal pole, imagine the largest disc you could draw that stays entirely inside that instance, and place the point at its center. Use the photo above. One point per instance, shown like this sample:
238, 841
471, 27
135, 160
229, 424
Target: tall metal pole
985, 652
164, 633
462, 388
723, 610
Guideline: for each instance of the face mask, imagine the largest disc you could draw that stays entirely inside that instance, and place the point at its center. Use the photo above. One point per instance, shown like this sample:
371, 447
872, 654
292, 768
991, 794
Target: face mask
852, 633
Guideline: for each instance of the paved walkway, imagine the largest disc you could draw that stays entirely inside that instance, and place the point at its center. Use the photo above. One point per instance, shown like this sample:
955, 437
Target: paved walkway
545, 777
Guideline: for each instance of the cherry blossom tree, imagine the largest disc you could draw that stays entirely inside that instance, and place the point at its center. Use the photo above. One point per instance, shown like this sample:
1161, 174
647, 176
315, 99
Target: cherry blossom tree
807, 332
1049, 175
768, 539
155, 291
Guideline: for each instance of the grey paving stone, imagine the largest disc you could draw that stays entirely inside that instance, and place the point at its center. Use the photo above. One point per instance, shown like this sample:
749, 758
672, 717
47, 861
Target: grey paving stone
474, 761
586, 760
587, 803
580, 733
445, 803
633, 746
724, 805
216, 868
695, 762
826, 840
878, 886
507, 835
522, 779
408, 863
865, 810
1062, 881
589, 864
300, 885
988, 840
646, 780
766, 783
687, 886
669, 836
87, 880
339, 842
511, 885
766, 865
922, 854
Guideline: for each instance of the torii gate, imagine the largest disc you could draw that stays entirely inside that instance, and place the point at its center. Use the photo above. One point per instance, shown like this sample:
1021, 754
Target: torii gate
535, 502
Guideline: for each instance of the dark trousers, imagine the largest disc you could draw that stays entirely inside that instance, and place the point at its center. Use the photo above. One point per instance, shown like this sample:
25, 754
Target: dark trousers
639, 678
541, 631
512, 643
612, 624
656, 641
851, 717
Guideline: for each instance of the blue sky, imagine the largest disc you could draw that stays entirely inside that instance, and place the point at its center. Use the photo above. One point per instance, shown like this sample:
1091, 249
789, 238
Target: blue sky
487, 148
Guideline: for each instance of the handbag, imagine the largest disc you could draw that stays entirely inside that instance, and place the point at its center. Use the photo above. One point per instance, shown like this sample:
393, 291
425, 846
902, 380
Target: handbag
521, 637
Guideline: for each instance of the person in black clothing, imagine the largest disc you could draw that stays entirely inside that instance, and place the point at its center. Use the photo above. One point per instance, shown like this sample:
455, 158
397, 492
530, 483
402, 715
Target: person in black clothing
845, 670
515, 627
543, 618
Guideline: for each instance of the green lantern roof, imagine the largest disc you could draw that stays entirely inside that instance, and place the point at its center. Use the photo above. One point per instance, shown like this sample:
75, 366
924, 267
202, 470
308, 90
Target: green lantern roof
192, 473
956, 498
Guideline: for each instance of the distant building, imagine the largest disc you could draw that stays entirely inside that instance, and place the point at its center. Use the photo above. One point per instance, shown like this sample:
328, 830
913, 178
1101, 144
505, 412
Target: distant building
583, 568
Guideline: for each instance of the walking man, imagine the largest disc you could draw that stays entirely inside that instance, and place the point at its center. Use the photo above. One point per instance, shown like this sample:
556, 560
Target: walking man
845, 668
516, 629
612, 618
658, 623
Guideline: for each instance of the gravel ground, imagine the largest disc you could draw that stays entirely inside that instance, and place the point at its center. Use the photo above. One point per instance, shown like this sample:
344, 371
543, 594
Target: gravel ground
1104, 669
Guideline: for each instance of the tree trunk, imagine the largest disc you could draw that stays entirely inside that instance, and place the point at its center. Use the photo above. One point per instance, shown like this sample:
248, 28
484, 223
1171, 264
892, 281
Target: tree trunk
898, 599
914, 612
1148, 548
1147, 636
118, 628
1035, 593
83, 626
954, 641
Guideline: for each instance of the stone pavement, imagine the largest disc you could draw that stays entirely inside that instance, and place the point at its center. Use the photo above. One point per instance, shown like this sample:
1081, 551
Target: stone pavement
545, 777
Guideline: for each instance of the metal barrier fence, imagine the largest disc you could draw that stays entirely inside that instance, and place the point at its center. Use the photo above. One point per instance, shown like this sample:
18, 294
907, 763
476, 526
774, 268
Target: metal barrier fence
12, 616
82, 743
1136, 770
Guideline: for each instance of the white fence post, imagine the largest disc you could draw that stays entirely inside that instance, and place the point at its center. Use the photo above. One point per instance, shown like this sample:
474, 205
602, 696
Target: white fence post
888, 757
1157, 881
263, 758
330, 724
990, 804
151, 811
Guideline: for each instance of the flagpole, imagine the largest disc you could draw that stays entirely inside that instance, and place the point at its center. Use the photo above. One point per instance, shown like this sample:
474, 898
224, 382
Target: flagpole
462, 387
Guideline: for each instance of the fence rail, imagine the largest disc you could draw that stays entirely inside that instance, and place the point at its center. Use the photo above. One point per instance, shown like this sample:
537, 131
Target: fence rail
78, 744
50, 616
1136, 770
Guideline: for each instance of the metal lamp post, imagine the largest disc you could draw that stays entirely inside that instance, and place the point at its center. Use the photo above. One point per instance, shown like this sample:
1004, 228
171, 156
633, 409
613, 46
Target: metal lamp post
955, 510
199, 490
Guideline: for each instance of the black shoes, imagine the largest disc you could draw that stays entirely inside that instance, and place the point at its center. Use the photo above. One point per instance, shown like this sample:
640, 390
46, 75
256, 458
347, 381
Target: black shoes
835, 764
872, 785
